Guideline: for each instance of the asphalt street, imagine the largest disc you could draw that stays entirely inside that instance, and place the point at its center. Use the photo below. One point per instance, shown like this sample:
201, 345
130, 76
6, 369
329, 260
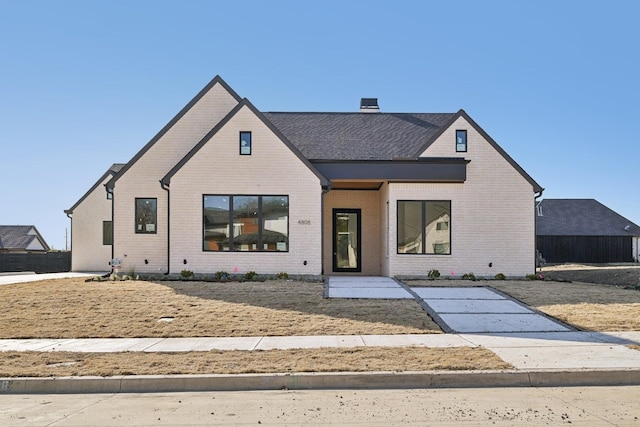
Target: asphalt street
576, 406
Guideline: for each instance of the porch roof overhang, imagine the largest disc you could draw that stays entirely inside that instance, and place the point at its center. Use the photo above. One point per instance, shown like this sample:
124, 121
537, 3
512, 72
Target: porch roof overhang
401, 170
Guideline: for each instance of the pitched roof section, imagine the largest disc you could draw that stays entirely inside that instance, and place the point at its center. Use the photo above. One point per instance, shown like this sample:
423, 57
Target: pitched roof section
21, 237
216, 80
461, 113
358, 136
112, 171
166, 180
380, 136
581, 217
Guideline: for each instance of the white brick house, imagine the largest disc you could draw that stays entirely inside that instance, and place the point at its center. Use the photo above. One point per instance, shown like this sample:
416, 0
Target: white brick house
225, 187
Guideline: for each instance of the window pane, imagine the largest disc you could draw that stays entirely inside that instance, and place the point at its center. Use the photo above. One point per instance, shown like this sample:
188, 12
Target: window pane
437, 230
216, 223
107, 233
409, 227
245, 223
245, 143
146, 210
275, 220
461, 140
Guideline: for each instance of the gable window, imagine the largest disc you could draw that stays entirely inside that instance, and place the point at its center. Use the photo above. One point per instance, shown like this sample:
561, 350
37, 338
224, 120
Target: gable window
245, 223
424, 227
245, 143
146, 216
107, 232
461, 141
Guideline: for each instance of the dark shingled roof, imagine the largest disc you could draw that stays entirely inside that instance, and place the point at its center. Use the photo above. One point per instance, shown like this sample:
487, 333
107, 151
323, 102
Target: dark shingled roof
359, 136
581, 217
20, 237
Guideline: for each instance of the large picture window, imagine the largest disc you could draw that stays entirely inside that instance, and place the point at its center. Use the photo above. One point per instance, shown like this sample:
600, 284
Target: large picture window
245, 223
146, 216
424, 227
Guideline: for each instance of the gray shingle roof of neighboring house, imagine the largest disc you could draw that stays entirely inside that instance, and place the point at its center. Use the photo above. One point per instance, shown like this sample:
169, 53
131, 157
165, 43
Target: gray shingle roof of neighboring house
359, 136
21, 237
581, 217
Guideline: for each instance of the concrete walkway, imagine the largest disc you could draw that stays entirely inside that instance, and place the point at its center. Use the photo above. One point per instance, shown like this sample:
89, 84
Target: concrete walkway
22, 277
455, 309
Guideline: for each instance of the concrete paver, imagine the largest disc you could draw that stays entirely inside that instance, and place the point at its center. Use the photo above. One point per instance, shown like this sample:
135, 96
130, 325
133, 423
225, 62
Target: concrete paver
365, 287
472, 293
476, 306
500, 322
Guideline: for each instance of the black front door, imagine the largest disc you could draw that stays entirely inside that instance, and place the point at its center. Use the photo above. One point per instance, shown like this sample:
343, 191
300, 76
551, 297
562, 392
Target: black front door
346, 240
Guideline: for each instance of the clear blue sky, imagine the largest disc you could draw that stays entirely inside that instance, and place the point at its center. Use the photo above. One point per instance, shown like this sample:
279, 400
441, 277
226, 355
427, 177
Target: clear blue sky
84, 84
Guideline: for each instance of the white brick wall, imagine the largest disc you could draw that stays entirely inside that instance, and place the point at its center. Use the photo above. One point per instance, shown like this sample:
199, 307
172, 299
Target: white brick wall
87, 251
492, 214
143, 180
271, 169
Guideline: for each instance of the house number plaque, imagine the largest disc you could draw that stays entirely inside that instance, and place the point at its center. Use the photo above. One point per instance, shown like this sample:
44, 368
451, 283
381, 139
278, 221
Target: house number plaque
304, 221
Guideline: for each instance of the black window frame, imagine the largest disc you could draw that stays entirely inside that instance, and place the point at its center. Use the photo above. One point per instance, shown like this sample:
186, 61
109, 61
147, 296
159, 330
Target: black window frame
107, 233
137, 216
461, 132
423, 227
260, 217
243, 132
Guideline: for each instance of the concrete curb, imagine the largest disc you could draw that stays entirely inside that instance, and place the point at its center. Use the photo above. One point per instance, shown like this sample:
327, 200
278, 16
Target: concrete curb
319, 381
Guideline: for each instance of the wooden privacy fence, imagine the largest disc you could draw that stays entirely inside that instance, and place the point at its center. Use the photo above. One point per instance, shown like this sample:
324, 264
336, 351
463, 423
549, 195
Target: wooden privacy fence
588, 249
47, 262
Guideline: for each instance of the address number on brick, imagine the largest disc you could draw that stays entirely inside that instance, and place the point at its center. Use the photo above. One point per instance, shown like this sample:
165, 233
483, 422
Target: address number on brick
304, 221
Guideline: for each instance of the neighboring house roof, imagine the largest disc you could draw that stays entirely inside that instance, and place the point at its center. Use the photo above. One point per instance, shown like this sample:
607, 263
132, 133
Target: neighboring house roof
581, 217
112, 171
21, 237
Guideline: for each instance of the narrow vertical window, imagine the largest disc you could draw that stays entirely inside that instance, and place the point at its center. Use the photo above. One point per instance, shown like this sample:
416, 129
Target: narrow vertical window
461, 141
245, 143
217, 225
107, 232
146, 216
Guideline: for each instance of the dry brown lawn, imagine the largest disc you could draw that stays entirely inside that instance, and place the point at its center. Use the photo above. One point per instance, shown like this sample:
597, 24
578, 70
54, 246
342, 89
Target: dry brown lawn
362, 359
587, 306
73, 308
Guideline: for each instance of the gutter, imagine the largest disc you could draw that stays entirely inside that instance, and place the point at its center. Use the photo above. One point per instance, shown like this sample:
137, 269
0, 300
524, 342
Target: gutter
536, 196
165, 187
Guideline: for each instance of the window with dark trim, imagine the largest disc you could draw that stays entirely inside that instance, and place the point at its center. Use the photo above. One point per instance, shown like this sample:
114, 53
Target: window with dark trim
461, 141
107, 232
245, 223
146, 216
245, 143
424, 227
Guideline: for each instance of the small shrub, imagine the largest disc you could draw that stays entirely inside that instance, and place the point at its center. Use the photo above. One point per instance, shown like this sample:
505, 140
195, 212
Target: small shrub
500, 276
221, 275
282, 275
532, 276
186, 274
433, 274
469, 276
250, 275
